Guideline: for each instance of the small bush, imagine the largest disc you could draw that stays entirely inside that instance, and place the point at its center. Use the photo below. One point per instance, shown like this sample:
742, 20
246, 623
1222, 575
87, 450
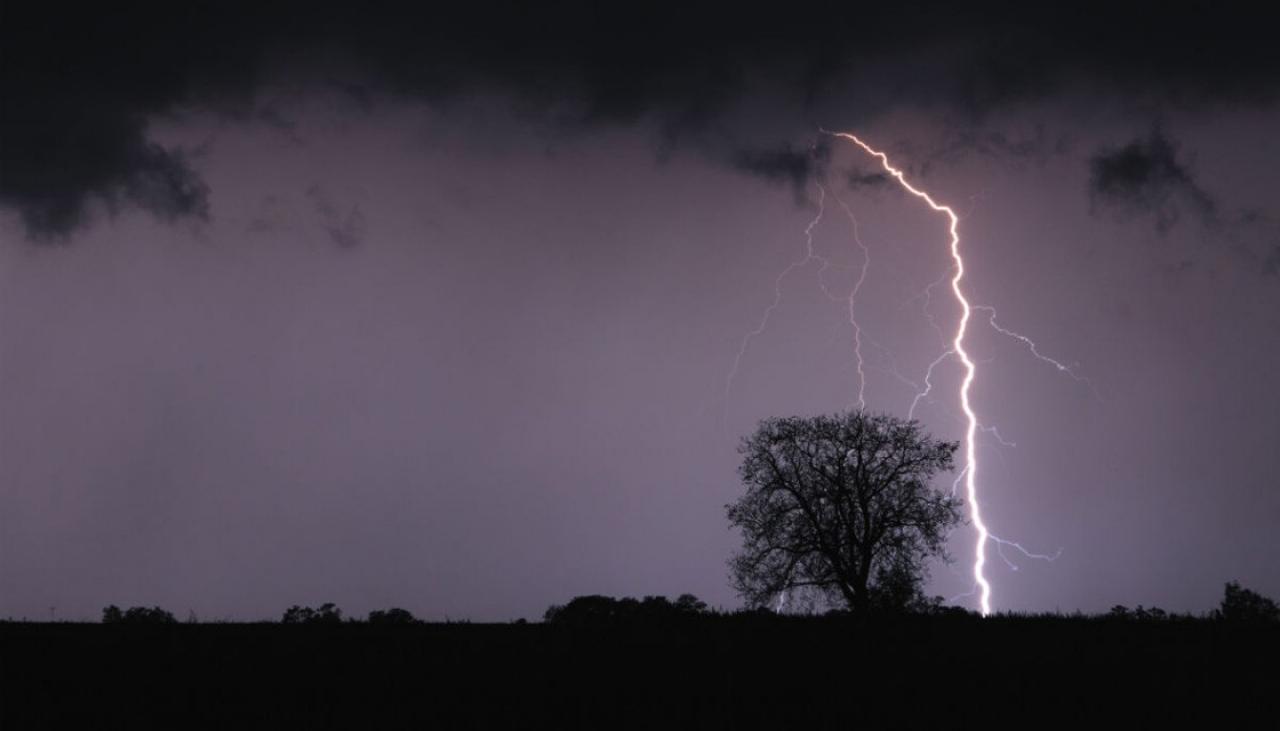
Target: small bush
394, 615
136, 615
327, 613
606, 610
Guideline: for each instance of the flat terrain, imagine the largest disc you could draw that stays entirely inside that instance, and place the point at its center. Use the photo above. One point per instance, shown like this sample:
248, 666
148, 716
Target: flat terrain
701, 672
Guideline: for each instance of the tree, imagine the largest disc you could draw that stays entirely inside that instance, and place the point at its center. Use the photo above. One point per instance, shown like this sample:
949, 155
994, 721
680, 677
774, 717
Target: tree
690, 604
136, 615
840, 510
597, 610
326, 614
394, 615
1244, 605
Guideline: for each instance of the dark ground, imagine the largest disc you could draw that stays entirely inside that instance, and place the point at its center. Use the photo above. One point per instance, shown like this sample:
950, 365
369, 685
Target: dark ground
704, 672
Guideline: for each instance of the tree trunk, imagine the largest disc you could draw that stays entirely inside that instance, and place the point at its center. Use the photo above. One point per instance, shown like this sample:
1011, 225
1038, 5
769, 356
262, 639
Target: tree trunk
861, 599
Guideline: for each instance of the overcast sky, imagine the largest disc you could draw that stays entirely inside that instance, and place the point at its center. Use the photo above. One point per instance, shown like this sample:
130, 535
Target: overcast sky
310, 304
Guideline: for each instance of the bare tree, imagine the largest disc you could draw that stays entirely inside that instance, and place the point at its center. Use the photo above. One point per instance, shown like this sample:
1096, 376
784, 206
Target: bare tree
840, 508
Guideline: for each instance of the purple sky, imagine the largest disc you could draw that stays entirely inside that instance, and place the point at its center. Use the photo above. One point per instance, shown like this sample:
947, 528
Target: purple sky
465, 357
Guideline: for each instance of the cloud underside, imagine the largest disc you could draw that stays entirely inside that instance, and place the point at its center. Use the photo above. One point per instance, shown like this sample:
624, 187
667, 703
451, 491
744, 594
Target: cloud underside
1146, 177
80, 86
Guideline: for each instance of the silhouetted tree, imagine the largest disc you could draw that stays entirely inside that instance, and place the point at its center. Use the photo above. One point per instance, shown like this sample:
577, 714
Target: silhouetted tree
1242, 605
326, 614
690, 604
605, 610
1150, 614
136, 615
840, 509
394, 615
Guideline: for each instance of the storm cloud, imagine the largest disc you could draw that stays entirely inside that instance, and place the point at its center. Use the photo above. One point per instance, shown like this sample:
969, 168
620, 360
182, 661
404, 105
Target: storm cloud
1146, 177
81, 88
787, 165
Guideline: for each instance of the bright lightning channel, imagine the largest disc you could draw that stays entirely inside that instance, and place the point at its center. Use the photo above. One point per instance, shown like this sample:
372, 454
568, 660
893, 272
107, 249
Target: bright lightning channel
970, 471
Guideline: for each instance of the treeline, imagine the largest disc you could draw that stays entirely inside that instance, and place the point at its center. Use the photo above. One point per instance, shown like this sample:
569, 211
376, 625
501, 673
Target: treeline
1238, 605
326, 613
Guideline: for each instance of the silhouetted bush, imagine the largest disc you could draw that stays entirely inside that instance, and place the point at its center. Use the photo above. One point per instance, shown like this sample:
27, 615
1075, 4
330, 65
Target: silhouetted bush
1153, 614
394, 615
605, 610
327, 613
690, 604
136, 615
950, 610
1139, 614
1242, 605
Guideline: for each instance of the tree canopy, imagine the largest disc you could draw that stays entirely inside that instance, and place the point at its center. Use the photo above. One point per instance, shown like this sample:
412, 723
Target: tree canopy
839, 509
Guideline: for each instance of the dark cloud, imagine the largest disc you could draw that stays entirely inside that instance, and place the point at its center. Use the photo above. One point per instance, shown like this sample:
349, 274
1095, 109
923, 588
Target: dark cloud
795, 167
55, 173
859, 178
79, 88
1146, 177
1271, 266
1035, 147
344, 229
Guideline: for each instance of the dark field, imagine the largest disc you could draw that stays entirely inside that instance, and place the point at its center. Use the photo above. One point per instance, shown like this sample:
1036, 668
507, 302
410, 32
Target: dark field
704, 672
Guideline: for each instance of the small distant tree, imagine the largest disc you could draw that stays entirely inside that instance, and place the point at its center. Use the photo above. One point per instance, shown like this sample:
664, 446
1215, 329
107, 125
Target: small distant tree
839, 509
326, 613
1242, 605
136, 615
394, 615
690, 604
597, 610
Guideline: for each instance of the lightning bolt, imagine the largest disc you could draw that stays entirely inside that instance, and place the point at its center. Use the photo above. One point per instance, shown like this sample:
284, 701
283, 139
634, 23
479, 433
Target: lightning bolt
1035, 351
1002, 542
953, 347
809, 255
853, 294
849, 301
927, 296
970, 472
928, 381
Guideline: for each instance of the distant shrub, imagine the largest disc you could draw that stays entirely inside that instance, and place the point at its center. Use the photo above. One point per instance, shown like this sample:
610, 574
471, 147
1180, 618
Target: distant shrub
136, 615
1154, 613
690, 604
394, 615
327, 613
602, 610
1242, 605
939, 609
1139, 613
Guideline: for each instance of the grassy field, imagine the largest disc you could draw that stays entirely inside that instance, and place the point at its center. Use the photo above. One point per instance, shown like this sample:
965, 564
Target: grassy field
705, 672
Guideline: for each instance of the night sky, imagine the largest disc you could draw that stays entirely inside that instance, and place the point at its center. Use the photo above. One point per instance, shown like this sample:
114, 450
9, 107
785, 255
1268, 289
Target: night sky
437, 309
